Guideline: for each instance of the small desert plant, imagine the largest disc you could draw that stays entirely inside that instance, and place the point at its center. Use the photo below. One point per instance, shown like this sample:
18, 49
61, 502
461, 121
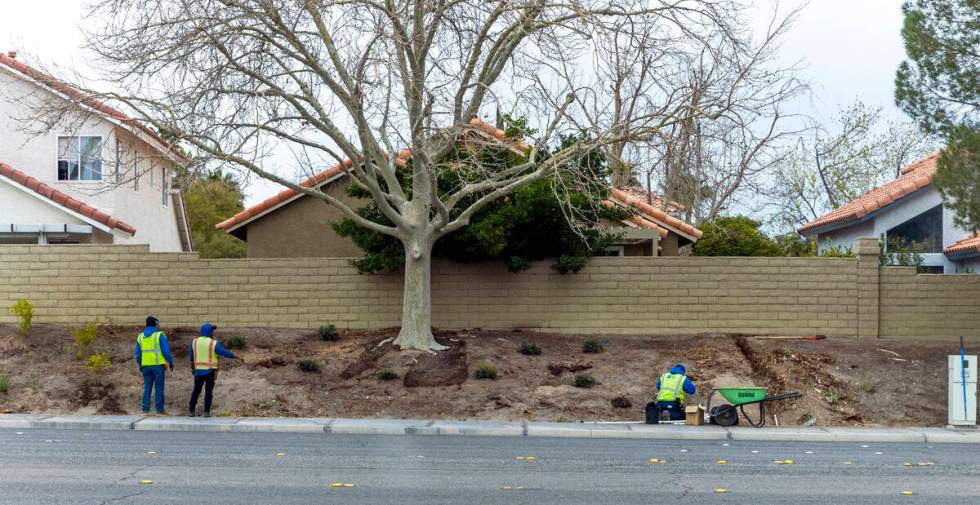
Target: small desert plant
4, 383
308, 365
84, 337
23, 309
98, 362
237, 342
584, 381
832, 397
387, 374
328, 333
529, 349
592, 347
485, 371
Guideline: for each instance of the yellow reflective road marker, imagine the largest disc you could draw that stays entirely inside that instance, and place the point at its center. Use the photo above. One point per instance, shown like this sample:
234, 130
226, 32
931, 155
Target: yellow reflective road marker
720, 490
906, 464
419, 456
151, 453
777, 461
926, 463
348, 485
337, 484
530, 458
280, 454
146, 481
508, 488
907, 492
721, 462
788, 462
847, 463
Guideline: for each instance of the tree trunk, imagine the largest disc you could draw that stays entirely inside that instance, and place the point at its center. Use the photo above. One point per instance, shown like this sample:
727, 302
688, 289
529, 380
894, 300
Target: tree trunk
416, 329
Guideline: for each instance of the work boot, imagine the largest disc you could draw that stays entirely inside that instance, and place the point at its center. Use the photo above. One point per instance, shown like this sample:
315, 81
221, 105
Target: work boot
207, 414
190, 413
162, 413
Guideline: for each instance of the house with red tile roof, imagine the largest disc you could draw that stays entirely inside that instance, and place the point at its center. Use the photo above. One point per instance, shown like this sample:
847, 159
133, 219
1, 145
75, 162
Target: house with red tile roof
95, 177
290, 224
908, 209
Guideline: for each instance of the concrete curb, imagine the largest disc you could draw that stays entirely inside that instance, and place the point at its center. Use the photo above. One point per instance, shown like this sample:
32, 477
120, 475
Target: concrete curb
491, 428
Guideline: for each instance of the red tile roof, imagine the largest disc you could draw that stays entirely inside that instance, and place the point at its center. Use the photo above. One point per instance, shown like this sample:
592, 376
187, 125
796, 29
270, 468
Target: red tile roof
655, 213
968, 245
64, 200
912, 178
653, 199
9, 60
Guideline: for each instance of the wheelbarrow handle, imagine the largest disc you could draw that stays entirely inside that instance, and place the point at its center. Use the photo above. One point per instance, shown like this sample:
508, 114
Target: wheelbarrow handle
784, 396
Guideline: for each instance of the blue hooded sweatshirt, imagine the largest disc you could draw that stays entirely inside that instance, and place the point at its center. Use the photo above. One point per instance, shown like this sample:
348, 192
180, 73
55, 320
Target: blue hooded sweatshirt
164, 347
689, 387
208, 331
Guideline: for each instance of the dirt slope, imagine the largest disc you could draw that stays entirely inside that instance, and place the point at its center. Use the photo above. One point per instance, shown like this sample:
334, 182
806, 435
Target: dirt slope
843, 381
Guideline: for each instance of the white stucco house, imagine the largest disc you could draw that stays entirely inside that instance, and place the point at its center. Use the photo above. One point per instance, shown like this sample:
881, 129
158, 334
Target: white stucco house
96, 178
909, 209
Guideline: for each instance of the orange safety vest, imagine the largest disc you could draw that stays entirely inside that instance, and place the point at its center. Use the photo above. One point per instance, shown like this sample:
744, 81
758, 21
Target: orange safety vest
204, 357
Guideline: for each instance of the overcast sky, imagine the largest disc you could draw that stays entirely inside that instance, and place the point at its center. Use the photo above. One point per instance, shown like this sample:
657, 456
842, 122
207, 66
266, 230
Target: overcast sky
849, 50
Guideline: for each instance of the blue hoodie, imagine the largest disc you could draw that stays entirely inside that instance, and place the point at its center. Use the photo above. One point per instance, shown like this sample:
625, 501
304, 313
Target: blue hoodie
208, 331
164, 347
689, 387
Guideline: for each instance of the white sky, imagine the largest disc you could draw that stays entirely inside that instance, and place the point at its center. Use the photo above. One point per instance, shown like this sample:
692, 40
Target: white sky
849, 48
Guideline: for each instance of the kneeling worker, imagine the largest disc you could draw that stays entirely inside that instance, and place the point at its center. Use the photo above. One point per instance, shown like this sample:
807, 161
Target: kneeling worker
204, 353
672, 386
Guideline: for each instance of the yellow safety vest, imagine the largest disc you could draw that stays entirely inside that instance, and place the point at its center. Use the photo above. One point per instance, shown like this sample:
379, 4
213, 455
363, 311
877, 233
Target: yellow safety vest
204, 357
150, 349
671, 387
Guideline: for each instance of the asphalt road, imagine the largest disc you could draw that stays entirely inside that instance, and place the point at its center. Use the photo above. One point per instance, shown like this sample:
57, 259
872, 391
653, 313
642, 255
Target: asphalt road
90, 467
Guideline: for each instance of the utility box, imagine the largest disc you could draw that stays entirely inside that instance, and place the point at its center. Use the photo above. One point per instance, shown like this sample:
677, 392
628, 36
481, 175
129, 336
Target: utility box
960, 413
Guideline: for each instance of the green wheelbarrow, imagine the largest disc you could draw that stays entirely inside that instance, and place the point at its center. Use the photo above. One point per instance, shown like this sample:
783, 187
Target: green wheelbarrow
740, 397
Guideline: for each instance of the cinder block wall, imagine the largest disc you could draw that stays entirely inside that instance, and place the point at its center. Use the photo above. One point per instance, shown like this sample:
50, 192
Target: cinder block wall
638, 295
931, 306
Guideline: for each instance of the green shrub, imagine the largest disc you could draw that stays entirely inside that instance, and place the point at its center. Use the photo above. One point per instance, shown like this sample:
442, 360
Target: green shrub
485, 371
4, 383
98, 362
584, 381
237, 342
528, 349
308, 365
328, 333
567, 263
592, 347
84, 337
387, 374
23, 309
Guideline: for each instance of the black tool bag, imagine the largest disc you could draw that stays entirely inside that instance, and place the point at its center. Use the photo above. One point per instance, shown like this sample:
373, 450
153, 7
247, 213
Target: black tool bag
652, 413
723, 415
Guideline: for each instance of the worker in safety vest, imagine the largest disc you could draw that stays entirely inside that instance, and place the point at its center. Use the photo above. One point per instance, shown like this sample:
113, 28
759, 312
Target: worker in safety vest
672, 386
204, 353
153, 356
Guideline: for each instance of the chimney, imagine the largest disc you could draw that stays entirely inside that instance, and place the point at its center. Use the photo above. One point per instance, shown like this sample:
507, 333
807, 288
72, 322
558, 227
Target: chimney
12, 54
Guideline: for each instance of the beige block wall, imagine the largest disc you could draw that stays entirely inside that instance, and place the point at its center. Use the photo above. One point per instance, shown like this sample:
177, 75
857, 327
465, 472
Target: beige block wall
924, 306
631, 295
639, 295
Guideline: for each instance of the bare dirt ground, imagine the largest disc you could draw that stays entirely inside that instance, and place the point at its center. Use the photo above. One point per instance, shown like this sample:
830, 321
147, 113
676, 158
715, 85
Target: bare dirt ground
843, 381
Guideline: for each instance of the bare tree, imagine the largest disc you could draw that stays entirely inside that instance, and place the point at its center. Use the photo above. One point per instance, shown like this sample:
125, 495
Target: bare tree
833, 164
703, 162
350, 82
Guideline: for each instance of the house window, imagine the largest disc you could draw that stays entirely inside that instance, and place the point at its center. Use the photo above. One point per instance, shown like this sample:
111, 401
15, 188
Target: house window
165, 187
922, 233
136, 171
613, 250
79, 158
119, 160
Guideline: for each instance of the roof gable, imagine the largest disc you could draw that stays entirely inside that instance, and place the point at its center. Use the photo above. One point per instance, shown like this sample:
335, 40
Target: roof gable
912, 178
967, 247
64, 202
110, 113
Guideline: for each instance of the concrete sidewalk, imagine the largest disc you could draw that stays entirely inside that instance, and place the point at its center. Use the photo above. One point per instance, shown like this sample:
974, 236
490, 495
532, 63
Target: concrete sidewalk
490, 428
